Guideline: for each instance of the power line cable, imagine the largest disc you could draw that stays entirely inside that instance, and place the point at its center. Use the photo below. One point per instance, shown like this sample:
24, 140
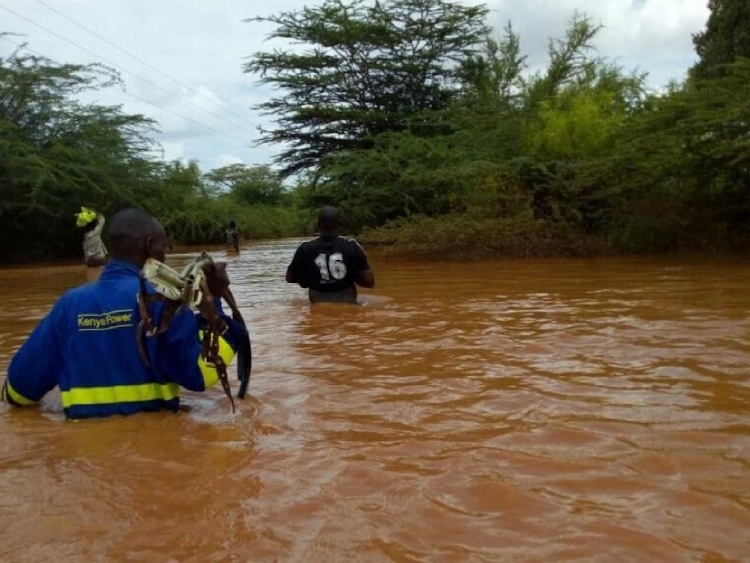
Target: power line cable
229, 136
140, 60
123, 69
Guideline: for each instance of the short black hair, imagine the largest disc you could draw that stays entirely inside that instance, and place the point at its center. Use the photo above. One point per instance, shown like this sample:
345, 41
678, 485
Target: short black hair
128, 229
329, 220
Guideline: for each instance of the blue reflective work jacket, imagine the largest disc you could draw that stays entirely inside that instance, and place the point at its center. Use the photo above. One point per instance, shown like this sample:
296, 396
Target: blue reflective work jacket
87, 346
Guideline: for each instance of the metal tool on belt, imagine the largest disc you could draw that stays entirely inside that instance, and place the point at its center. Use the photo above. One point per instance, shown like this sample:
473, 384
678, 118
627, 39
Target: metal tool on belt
189, 288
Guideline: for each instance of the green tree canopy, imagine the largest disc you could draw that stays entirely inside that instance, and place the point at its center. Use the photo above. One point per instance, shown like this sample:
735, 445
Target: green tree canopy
364, 69
57, 153
254, 185
726, 37
497, 72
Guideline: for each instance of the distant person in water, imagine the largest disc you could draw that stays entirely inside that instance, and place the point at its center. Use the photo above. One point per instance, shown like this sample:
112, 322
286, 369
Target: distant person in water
92, 223
331, 267
233, 237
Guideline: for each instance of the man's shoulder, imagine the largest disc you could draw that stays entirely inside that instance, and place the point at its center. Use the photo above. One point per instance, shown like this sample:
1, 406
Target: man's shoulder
309, 245
339, 243
72, 298
94, 291
79, 292
351, 245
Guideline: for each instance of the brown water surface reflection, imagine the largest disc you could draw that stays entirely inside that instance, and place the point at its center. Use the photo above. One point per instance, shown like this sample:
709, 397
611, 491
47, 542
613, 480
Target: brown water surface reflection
596, 410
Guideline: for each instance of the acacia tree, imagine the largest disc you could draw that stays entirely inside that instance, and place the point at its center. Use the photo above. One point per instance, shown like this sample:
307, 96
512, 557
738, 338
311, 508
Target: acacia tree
363, 69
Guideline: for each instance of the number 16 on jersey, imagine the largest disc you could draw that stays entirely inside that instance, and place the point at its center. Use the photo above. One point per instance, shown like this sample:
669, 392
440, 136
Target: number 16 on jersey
331, 266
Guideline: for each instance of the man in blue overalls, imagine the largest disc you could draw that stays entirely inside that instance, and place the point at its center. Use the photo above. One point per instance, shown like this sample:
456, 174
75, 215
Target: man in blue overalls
87, 344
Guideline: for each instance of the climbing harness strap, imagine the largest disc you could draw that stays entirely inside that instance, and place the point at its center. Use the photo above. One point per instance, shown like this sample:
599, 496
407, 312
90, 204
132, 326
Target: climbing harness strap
190, 288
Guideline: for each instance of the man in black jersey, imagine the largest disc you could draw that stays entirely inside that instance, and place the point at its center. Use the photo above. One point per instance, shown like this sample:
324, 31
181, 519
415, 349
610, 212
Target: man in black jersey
330, 266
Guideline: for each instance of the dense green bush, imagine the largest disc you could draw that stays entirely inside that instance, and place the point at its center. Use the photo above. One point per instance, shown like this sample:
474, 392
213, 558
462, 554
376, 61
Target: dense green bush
464, 237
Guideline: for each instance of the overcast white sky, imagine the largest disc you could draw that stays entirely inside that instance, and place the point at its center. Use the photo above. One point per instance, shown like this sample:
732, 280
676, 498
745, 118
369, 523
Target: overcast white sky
203, 44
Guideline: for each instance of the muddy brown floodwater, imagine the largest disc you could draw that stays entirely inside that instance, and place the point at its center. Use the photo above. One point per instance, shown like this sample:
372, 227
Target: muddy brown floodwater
591, 410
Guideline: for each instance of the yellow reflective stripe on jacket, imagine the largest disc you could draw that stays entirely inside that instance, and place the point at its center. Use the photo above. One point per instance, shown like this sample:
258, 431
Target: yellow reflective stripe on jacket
120, 394
208, 371
16, 397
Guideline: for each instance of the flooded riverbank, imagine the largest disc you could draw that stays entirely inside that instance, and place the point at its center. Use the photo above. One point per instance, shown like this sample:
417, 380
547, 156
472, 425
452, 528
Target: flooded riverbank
544, 410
